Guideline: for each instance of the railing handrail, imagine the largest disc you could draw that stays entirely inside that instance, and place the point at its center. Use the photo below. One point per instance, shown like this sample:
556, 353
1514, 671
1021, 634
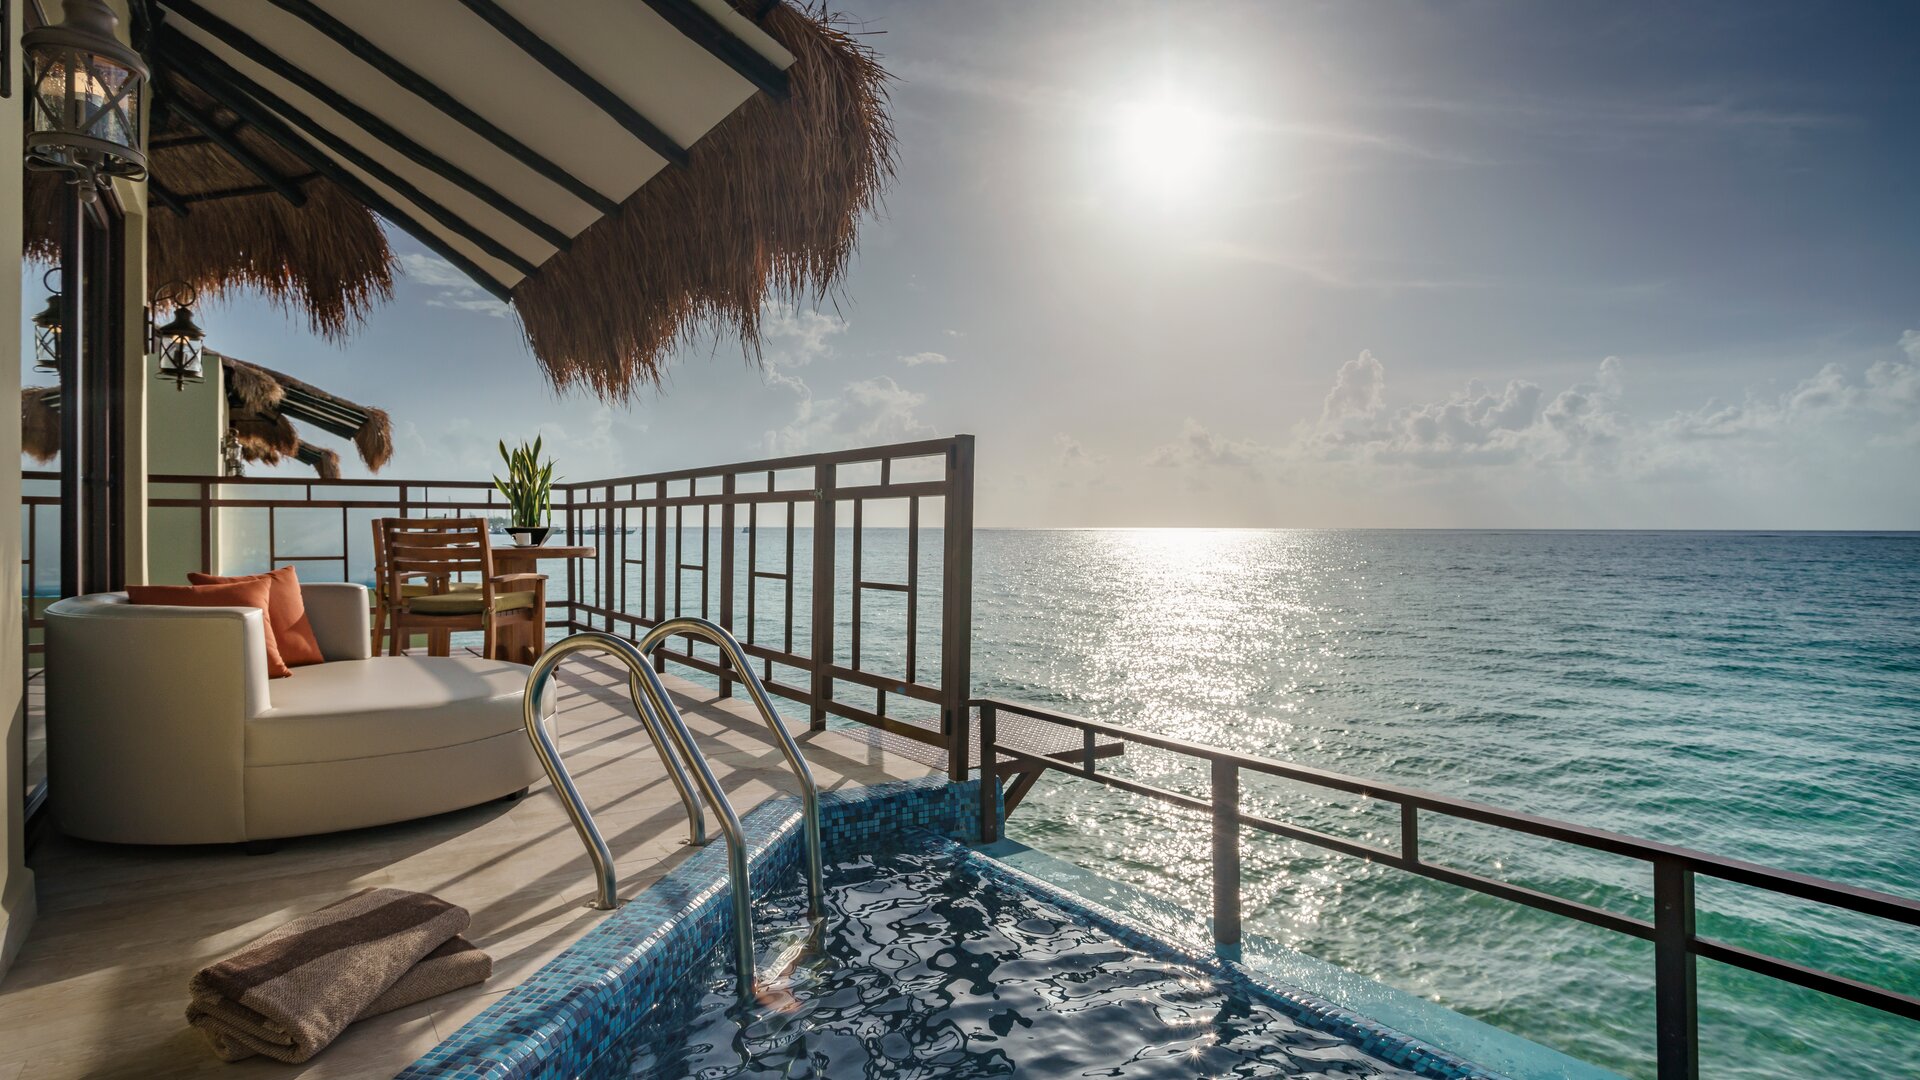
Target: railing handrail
1671, 930
676, 746
729, 647
919, 448
1789, 882
314, 481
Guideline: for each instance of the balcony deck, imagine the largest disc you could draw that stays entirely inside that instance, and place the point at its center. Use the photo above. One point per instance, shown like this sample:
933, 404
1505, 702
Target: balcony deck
100, 988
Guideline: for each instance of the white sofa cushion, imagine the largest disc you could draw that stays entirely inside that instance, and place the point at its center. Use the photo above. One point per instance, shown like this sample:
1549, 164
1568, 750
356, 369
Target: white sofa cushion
387, 705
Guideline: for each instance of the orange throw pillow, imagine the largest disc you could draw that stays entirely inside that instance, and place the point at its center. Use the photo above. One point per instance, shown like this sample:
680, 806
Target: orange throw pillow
286, 611
254, 594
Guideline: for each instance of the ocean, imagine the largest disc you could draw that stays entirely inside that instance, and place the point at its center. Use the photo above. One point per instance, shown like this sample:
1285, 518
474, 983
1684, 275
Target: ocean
1755, 695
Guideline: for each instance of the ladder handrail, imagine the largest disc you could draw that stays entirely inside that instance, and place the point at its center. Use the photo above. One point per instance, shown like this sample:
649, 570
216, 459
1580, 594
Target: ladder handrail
809, 791
665, 726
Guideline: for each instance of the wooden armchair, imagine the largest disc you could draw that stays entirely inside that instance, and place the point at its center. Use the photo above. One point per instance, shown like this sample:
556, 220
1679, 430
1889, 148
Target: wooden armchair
425, 557
381, 608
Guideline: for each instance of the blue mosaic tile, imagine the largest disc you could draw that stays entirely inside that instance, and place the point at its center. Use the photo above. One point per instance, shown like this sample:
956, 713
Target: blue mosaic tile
570, 1012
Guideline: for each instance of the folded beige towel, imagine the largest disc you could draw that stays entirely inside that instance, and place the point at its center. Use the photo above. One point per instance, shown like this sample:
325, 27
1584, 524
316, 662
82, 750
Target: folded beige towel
292, 992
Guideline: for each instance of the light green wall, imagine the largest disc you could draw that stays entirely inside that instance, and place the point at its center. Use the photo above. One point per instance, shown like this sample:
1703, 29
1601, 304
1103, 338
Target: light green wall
183, 438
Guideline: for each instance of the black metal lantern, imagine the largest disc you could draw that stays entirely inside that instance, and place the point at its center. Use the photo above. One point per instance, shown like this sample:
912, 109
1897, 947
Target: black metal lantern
85, 93
47, 326
232, 461
175, 344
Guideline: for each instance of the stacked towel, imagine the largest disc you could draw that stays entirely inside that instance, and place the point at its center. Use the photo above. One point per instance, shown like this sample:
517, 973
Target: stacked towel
292, 992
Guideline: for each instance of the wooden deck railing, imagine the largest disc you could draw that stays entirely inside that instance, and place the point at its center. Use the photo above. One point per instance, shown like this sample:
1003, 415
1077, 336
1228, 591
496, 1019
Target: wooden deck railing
831, 626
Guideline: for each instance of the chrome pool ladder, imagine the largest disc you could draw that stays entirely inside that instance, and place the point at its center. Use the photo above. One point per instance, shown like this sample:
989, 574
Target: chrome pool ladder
675, 745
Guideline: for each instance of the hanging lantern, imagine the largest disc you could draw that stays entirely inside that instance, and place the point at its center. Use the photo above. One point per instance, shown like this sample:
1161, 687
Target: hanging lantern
175, 344
232, 461
85, 95
46, 328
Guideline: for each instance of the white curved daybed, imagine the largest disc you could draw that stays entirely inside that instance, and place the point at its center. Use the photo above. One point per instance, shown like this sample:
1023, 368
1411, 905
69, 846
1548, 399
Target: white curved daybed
163, 728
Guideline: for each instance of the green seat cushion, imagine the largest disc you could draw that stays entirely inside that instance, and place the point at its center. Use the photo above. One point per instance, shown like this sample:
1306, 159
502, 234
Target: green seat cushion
424, 589
467, 603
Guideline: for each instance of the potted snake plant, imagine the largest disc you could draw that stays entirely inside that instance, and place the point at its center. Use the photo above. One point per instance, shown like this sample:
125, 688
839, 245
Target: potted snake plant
528, 489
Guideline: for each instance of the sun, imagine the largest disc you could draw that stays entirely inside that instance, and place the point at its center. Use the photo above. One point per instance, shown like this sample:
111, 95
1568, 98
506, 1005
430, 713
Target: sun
1168, 146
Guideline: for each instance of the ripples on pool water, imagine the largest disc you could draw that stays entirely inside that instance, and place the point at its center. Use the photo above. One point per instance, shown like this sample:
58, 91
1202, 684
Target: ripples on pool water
1751, 695
930, 970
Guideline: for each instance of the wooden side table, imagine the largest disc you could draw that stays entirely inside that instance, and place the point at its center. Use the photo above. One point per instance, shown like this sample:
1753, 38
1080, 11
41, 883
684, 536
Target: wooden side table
513, 559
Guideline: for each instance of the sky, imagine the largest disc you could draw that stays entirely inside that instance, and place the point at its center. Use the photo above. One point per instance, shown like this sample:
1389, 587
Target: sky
1305, 264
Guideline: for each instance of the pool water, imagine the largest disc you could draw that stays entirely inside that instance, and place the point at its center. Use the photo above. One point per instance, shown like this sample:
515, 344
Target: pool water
929, 968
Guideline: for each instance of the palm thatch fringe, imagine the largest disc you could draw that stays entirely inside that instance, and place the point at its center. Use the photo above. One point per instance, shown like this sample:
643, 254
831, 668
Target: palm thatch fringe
374, 440
251, 387
328, 259
254, 399
39, 423
263, 390
766, 211
325, 462
265, 434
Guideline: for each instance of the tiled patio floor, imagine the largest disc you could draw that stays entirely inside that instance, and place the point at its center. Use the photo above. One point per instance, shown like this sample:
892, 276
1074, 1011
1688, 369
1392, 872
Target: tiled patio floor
100, 988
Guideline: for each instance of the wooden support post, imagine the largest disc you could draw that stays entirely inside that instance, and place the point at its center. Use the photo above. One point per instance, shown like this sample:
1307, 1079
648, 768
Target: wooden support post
956, 608
820, 637
1226, 854
726, 572
1676, 1007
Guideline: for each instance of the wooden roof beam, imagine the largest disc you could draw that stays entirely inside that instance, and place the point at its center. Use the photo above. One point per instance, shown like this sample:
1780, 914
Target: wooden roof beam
706, 31
235, 193
583, 84
373, 56
237, 150
232, 90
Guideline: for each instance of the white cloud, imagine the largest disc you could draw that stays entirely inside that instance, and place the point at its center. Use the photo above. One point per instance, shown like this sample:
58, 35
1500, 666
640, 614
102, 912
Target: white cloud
1069, 455
1359, 389
1198, 446
452, 288
863, 412
920, 358
868, 412
791, 337
1883, 406
1585, 428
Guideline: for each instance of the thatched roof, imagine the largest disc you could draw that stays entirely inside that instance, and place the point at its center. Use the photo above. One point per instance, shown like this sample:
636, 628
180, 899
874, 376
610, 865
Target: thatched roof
616, 242
261, 407
213, 225
40, 422
767, 209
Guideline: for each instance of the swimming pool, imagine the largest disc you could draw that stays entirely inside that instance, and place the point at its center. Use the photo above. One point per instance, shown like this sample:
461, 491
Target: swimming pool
930, 967
918, 948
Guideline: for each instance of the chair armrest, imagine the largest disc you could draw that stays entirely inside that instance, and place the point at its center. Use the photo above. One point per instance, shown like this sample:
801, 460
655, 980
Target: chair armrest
534, 583
338, 613
147, 708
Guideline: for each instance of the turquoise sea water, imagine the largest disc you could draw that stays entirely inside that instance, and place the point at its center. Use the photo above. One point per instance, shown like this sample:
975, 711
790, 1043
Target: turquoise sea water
1756, 695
